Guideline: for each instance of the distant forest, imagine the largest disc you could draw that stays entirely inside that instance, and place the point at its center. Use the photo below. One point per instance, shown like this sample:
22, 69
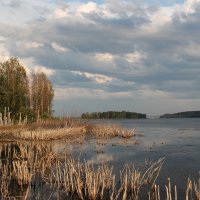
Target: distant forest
113, 115
187, 114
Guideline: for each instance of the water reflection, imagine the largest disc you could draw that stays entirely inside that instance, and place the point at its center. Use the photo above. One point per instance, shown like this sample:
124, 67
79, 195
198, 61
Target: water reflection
29, 165
178, 140
22, 167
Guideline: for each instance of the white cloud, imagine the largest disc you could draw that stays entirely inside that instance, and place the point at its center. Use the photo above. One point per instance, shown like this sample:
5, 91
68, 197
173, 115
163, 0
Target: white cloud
4, 54
89, 7
104, 57
98, 78
48, 72
192, 50
60, 12
12, 3
29, 45
162, 16
102, 46
72, 92
26, 45
147, 92
57, 47
30, 66
189, 5
135, 57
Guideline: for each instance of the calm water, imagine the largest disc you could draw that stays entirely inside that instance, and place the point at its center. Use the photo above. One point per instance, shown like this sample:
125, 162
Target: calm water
178, 140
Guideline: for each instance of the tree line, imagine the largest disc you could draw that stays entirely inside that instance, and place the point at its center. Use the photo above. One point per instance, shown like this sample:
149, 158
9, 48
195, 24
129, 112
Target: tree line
20, 94
113, 115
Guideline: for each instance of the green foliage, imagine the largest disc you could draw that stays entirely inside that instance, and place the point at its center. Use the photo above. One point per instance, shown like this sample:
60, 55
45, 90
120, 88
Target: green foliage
14, 87
29, 113
113, 115
46, 116
19, 96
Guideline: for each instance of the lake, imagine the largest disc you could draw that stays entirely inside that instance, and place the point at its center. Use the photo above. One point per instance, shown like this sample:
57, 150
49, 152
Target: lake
176, 140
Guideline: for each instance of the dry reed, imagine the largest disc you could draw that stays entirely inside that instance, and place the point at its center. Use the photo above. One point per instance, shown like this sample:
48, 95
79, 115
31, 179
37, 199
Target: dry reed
61, 129
111, 130
43, 131
34, 167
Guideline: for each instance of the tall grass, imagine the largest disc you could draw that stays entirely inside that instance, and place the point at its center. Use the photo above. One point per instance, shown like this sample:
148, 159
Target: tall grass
110, 130
59, 129
34, 169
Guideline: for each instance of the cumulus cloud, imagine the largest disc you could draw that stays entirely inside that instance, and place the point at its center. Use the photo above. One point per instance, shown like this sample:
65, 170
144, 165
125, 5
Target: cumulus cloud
108, 49
135, 57
73, 92
104, 56
98, 78
57, 47
89, 7
60, 12
29, 44
48, 72
11, 3
4, 54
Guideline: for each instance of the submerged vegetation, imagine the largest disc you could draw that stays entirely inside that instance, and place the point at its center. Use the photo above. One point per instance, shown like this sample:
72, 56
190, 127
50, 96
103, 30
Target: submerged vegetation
113, 115
31, 168
34, 170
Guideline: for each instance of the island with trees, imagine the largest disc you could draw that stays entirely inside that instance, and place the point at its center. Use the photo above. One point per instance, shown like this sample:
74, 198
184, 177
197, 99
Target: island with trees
113, 115
187, 114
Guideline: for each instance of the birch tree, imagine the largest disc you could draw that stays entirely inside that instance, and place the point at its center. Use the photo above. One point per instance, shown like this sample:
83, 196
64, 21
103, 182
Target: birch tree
41, 94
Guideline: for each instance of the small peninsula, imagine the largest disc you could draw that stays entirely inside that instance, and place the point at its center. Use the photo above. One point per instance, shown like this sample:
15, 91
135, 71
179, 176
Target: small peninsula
187, 114
113, 115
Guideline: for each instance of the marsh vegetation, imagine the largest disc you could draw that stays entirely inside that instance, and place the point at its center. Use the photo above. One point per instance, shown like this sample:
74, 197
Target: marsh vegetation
31, 168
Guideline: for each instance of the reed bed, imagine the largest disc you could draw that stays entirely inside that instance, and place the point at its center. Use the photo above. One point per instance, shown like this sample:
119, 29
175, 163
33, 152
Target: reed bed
43, 130
21, 166
42, 134
111, 130
28, 171
61, 129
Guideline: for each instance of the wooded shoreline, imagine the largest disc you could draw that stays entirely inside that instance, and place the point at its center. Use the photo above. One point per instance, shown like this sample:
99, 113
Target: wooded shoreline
113, 115
187, 114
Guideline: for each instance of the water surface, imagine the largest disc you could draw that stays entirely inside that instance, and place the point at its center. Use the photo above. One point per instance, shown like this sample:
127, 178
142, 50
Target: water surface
178, 140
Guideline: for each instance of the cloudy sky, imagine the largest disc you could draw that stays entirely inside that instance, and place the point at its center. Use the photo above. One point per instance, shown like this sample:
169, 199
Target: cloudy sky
135, 55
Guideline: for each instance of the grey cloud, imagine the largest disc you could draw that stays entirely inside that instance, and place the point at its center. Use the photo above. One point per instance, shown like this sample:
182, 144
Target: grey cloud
11, 3
167, 58
122, 22
62, 78
15, 3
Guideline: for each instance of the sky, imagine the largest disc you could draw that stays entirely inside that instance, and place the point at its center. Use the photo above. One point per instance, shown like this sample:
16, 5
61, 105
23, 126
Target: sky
133, 55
